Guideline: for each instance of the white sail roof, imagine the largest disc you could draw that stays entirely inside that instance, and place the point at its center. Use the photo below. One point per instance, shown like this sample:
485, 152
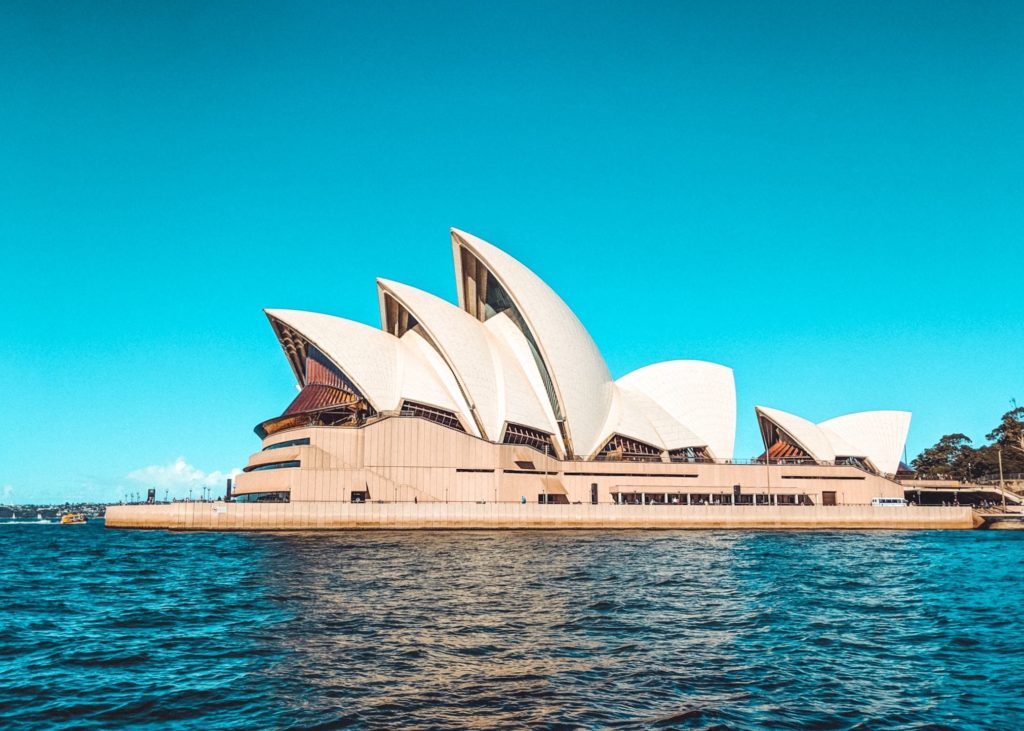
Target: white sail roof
840, 447
877, 436
806, 434
880, 434
490, 380
635, 415
581, 381
674, 434
526, 394
699, 395
513, 352
427, 379
385, 369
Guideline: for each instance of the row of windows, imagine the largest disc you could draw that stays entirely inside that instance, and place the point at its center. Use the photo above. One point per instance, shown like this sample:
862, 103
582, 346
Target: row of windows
630, 474
438, 416
519, 434
264, 497
629, 450
274, 466
820, 477
289, 443
688, 454
705, 498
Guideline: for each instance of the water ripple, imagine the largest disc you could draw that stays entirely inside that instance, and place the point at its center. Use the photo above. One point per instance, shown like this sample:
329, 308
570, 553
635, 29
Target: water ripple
688, 630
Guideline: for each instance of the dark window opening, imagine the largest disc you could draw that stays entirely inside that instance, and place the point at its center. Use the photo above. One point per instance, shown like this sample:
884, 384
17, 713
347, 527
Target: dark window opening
273, 466
689, 454
290, 443
781, 447
528, 437
320, 370
431, 413
855, 462
822, 477
624, 449
264, 497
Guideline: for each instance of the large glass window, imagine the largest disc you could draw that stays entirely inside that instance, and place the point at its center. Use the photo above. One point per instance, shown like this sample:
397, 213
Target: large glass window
688, 454
624, 449
438, 416
289, 443
264, 497
519, 434
273, 466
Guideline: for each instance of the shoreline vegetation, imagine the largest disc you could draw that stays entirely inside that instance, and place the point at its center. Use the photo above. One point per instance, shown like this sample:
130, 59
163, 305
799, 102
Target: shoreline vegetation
52, 511
954, 457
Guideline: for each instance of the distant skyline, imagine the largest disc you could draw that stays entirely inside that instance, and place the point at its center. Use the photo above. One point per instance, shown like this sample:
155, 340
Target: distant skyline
827, 199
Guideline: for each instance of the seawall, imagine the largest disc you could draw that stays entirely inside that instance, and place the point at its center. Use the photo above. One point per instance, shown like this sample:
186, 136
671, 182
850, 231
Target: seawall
440, 516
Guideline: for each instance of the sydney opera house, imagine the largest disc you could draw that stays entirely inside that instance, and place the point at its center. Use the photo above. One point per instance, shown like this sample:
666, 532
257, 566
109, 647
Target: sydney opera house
505, 398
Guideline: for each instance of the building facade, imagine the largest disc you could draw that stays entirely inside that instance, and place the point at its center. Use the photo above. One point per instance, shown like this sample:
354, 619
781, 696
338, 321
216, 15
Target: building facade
505, 398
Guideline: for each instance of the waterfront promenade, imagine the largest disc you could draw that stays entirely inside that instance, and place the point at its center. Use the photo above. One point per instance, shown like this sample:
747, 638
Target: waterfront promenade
223, 516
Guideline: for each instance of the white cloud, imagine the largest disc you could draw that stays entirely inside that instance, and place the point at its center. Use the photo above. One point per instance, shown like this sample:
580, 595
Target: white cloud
179, 474
8, 489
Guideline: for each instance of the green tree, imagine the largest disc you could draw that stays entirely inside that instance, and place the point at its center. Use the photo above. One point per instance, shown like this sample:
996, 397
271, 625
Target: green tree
952, 457
1009, 437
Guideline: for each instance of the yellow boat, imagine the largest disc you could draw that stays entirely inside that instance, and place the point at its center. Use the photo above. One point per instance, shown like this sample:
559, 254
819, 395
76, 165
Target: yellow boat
73, 518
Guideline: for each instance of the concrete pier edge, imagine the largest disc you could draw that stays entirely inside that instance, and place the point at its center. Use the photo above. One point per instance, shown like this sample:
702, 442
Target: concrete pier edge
308, 516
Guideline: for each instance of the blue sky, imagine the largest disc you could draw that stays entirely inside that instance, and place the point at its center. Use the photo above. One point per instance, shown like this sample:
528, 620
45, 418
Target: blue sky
825, 197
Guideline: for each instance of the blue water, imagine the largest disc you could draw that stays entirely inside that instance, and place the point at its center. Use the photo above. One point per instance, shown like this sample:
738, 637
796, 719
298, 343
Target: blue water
817, 630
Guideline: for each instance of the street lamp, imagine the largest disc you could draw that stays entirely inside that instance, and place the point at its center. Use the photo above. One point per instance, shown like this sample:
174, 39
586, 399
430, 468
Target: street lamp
544, 480
1002, 488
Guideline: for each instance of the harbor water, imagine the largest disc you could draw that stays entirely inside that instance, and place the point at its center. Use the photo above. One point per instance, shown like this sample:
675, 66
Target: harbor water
542, 629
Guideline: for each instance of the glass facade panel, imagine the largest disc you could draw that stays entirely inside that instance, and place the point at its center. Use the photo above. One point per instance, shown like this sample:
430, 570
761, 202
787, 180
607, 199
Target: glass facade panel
289, 443
274, 466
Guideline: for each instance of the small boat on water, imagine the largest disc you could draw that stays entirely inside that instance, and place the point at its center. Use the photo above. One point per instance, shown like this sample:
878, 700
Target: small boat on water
73, 518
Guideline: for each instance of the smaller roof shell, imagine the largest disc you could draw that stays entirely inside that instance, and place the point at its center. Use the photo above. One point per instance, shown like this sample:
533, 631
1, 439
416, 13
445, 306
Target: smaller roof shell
635, 415
385, 369
806, 434
877, 436
697, 394
881, 435
491, 380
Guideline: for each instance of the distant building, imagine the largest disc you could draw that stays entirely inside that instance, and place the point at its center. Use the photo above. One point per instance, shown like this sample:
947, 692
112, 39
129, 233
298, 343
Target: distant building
506, 398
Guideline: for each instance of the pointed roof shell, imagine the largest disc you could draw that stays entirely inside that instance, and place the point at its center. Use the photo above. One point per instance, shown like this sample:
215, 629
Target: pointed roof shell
580, 379
699, 395
488, 375
384, 368
807, 434
635, 415
881, 435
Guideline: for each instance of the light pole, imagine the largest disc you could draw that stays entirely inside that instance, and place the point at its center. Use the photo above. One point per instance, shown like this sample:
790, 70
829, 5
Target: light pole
544, 480
1002, 488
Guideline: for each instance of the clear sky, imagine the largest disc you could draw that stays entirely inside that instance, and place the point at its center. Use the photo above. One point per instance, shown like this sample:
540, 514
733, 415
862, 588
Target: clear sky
827, 197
